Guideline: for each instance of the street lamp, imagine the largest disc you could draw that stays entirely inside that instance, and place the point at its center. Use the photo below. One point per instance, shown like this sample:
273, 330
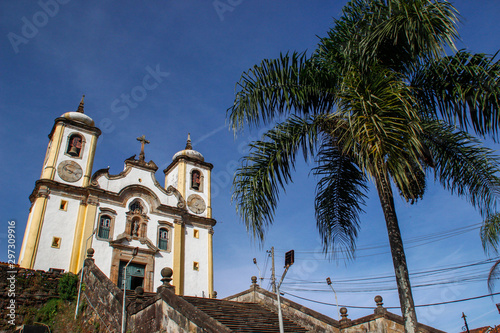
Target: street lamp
260, 275
289, 260
134, 253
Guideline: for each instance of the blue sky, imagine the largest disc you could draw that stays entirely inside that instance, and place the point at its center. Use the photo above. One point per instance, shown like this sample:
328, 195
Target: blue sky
104, 49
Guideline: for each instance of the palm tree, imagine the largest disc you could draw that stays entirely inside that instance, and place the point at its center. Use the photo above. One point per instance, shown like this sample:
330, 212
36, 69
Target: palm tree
370, 104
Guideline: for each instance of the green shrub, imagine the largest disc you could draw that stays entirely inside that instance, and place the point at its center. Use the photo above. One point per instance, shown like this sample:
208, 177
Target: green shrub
48, 312
68, 286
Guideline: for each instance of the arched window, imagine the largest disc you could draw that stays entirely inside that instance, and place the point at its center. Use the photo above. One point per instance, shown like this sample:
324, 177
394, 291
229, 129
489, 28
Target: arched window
136, 207
163, 239
104, 226
74, 145
195, 180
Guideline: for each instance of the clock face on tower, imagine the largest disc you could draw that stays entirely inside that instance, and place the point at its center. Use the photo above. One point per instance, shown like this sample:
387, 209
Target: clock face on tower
69, 171
196, 204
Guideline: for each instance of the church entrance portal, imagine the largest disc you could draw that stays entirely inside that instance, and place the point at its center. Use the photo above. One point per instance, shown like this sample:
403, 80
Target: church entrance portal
135, 275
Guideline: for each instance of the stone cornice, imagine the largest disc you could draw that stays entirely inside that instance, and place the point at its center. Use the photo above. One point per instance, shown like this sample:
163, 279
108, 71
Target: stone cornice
145, 241
91, 129
44, 185
148, 166
194, 161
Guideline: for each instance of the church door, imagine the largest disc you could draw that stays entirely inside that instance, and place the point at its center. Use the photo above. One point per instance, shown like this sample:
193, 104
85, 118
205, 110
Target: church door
135, 275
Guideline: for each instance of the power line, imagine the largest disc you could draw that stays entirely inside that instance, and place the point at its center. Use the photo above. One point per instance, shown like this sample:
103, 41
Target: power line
461, 274
427, 239
394, 307
394, 288
390, 277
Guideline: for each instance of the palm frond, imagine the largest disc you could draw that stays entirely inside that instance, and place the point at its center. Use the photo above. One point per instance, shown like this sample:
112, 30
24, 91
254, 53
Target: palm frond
383, 124
401, 31
410, 181
267, 169
463, 88
463, 165
291, 83
341, 46
493, 275
490, 232
340, 193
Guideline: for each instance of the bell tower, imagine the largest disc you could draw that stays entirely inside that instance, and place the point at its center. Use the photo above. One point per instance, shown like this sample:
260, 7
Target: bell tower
71, 149
190, 175
67, 165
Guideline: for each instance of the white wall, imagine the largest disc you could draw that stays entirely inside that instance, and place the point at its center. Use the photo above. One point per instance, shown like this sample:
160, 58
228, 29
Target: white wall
57, 223
196, 282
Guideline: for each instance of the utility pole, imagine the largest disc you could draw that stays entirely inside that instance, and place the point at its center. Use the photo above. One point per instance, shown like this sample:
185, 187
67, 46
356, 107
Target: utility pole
465, 321
273, 271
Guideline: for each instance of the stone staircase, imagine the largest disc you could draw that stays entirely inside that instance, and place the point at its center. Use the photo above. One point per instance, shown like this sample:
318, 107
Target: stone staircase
242, 317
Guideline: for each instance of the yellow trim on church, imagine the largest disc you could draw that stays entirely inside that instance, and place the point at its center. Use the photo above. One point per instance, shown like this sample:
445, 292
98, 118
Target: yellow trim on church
49, 169
77, 239
84, 226
88, 228
90, 162
181, 182
33, 238
209, 194
210, 264
178, 269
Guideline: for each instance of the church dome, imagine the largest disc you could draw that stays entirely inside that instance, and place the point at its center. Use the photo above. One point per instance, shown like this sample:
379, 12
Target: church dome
189, 152
78, 115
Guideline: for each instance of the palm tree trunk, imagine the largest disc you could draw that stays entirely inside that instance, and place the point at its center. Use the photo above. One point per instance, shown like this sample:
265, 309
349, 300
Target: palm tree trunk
397, 251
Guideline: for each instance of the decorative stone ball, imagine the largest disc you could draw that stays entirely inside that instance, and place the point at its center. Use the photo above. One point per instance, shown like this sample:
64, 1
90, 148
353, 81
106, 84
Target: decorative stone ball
139, 290
90, 253
254, 279
167, 272
343, 311
378, 299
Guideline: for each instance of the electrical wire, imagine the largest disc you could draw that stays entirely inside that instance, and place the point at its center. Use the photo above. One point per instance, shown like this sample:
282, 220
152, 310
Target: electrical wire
394, 307
421, 240
469, 272
390, 277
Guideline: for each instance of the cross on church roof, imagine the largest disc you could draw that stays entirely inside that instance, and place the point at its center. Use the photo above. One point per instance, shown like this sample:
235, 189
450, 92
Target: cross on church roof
142, 140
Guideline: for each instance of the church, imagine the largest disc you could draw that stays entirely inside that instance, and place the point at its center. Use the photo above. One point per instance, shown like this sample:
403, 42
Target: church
126, 230
128, 217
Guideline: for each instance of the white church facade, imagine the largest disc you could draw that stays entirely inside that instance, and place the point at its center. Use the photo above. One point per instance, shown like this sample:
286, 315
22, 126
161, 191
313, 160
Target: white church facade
73, 209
